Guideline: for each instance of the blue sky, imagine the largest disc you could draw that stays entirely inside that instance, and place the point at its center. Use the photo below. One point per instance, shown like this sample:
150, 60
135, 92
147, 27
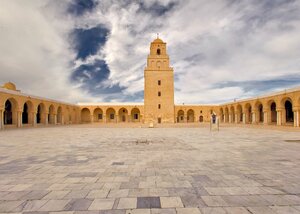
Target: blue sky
96, 50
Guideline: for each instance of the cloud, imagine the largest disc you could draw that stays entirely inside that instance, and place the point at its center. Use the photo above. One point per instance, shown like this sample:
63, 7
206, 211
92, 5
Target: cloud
96, 50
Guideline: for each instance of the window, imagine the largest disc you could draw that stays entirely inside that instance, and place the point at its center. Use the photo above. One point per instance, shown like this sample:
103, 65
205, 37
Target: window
136, 116
159, 120
159, 82
158, 51
159, 93
159, 106
112, 116
201, 112
100, 117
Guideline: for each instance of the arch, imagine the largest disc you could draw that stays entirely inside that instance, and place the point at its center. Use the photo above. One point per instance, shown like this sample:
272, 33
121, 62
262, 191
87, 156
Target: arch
51, 115
190, 116
289, 114
201, 119
180, 116
59, 115
226, 115
10, 114
232, 114
135, 115
111, 115
158, 51
123, 115
27, 113
221, 115
98, 115
259, 110
40, 113
273, 111
85, 115
248, 113
239, 111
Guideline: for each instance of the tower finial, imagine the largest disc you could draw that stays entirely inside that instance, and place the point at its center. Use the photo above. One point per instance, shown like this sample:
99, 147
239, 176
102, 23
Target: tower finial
157, 35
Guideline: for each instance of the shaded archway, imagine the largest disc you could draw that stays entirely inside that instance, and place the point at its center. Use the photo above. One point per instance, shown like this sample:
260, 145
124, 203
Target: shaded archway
85, 115
27, 113
40, 114
232, 114
190, 116
98, 115
201, 119
259, 112
51, 115
226, 115
180, 116
110, 115
248, 113
135, 115
123, 115
10, 114
221, 115
59, 115
239, 112
289, 114
273, 112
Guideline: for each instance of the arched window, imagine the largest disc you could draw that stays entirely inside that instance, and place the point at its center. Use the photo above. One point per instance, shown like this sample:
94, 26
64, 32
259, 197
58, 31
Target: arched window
158, 51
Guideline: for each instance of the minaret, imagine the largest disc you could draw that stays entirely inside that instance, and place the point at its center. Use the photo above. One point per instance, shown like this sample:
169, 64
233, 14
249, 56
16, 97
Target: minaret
159, 85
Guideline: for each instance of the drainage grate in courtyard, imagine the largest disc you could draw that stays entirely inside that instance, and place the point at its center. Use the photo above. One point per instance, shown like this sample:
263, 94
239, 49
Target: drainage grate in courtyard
292, 141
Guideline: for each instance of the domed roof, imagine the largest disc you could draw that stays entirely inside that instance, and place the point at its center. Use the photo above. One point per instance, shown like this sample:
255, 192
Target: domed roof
10, 86
158, 40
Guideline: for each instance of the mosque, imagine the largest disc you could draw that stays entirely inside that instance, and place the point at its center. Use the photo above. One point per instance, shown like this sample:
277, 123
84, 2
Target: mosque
22, 110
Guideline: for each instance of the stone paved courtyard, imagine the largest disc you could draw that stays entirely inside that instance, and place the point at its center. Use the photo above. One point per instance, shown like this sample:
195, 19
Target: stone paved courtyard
83, 169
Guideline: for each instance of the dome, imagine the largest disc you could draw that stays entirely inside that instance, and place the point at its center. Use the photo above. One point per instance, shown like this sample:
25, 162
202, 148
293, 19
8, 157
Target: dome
158, 40
10, 86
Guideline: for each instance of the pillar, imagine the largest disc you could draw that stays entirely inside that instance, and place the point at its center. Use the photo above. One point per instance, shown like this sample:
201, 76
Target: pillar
244, 118
253, 117
266, 117
230, 118
296, 118
34, 118
62, 119
116, 118
55, 119
279, 117
19, 119
46, 118
92, 118
236, 118
104, 118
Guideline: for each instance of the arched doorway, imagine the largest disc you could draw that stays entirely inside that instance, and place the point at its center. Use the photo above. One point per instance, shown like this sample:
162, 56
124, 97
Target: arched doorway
10, 112
239, 114
226, 115
190, 116
25, 114
59, 115
98, 115
85, 115
40, 113
51, 115
110, 115
232, 114
201, 119
289, 114
135, 115
221, 115
180, 116
259, 113
273, 112
123, 115
248, 112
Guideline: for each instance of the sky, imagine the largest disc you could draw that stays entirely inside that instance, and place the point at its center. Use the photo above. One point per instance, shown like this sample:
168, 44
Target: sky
96, 50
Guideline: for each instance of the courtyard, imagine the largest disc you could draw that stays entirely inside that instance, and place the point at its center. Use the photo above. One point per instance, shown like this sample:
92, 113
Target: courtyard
187, 170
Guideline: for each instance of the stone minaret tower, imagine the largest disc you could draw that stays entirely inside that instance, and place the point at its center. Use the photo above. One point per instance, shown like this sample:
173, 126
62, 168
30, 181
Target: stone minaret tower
159, 85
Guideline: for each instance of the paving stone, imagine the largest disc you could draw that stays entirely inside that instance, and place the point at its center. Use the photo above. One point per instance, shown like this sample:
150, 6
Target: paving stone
163, 211
171, 202
78, 204
102, 204
188, 211
54, 205
148, 202
127, 203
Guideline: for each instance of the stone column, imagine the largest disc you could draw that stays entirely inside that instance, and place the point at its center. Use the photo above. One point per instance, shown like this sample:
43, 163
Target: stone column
92, 118
34, 118
116, 118
296, 118
230, 118
253, 118
244, 118
46, 118
62, 119
236, 118
19, 119
129, 118
55, 119
279, 114
104, 118
266, 117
